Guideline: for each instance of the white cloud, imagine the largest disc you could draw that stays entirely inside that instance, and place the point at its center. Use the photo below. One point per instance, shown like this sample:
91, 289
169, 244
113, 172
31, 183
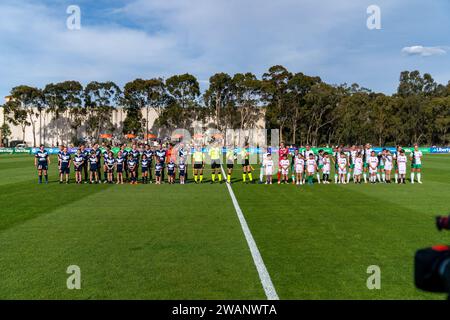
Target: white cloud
423, 51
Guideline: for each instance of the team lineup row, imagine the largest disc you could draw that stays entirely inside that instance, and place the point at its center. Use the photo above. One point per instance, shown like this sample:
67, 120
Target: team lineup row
291, 166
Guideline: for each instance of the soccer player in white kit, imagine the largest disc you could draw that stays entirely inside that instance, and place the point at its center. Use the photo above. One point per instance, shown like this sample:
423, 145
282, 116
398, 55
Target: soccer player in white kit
388, 165
311, 168
326, 168
416, 164
299, 168
366, 156
401, 162
352, 158
373, 167
342, 167
268, 168
262, 168
284, 170
359, 167
336, 156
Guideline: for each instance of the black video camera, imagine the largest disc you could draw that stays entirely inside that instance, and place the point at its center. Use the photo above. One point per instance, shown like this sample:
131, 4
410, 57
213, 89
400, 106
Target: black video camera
432, 265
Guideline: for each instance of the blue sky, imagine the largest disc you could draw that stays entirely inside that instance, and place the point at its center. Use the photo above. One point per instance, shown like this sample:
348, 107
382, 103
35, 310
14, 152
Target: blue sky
124, 40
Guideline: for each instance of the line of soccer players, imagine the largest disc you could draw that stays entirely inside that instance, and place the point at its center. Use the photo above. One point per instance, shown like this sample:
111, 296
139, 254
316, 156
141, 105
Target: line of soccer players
299, 167
358, 163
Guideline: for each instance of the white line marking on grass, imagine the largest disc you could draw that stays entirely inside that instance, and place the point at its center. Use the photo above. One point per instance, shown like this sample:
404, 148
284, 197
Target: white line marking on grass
264, 276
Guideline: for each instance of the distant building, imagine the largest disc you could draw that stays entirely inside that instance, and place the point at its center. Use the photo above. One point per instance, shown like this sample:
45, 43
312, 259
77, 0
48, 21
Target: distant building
51, 132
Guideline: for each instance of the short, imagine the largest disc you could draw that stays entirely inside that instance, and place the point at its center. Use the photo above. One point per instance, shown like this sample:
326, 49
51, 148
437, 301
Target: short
320, 166
381, 167
230, 165
372, 170
215, 164
366, 165
119, 169
158, 173
93, 168
358, 172
352, 166
269, 171
144, 169
246, 163
65, 170
182, 173
299, 169
402, 170
416, 166
109, 170
171, 173
198, 166
342, 170
310, 170
78, 169
42, 167
284, 171
388, 167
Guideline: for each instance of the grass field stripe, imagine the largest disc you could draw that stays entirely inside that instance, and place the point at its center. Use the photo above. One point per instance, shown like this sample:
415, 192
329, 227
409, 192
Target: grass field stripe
264, 276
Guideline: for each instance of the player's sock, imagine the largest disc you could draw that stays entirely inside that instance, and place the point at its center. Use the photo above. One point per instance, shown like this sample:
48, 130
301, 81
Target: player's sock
40, 179
412, 177
229, 177
195, 178
250, 177
378, 177
220, 177
244, 177
261, 174
46, 178
278, 175
336, 178
365, 177
213, 177
419, 177
318, 177
348, 177
396, 178
104, 176
383, 177
201, 178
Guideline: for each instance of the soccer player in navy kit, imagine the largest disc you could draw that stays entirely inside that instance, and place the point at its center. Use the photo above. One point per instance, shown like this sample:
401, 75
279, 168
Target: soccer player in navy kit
61, 147
64, 160
159, 167
183, 154
84, 167
182, 170
78, 164
110, 166
93, 167
132, 164
171, 168
120, 164
135, 153
145, 168
150, 154
106, 153
160, 156
125, 156
41, 162
98, 154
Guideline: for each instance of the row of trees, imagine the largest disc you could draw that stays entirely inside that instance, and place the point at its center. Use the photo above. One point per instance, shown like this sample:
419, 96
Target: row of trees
305, 109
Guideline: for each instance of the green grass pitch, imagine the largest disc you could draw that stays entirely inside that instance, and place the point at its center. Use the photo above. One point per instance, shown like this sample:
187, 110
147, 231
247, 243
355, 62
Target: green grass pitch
185, 241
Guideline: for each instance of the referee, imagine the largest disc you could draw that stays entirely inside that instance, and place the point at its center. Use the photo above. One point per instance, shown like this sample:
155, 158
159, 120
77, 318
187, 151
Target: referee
214, 154
198, 158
